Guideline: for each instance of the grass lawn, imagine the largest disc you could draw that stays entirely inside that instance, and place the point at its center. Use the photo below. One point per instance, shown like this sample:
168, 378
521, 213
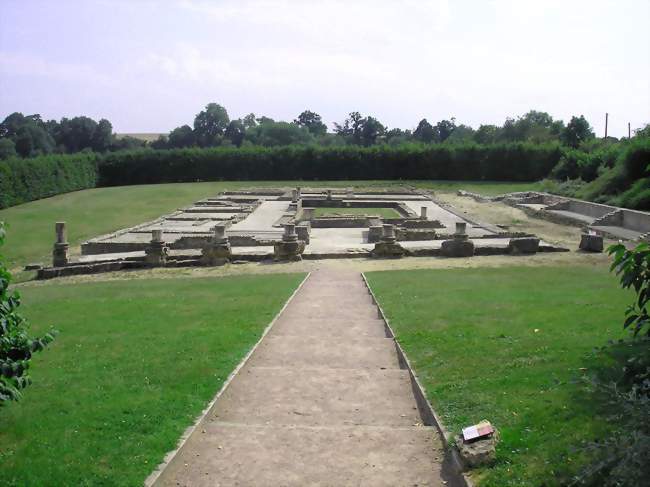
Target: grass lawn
381, 212
506, 345
93, 212
133, 365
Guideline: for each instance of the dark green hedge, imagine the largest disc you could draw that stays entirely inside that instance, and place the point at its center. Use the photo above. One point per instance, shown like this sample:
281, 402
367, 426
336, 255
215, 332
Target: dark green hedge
23, 180
506, 162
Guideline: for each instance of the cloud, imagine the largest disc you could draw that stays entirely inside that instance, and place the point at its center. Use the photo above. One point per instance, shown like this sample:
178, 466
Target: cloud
35, 66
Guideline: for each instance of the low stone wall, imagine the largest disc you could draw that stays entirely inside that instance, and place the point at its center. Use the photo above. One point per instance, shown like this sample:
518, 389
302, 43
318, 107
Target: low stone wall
340, 222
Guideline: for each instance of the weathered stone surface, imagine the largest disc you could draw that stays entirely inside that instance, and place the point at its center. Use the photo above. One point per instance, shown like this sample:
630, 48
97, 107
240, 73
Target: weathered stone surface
375, 233
523, 245
60, 250
477, 453
458, 247
408, 235
60, 254
303, 230
388, 249
288, 250
156, 252
217, 251
591, 242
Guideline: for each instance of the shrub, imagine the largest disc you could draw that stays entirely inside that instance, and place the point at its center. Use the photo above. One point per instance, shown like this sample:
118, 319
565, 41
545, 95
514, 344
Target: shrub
16, 346
622, 386
23, 180
507, 162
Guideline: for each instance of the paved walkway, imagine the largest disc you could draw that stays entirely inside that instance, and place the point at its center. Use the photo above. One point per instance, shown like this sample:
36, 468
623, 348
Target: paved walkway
322, 401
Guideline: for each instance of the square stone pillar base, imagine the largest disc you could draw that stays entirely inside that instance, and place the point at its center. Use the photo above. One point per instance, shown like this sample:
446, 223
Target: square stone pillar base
216, 254
288, 250
156, 254
60, 254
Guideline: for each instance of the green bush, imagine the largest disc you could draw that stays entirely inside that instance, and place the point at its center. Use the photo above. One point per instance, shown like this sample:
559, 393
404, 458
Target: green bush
624, 184
504, 162
23, 180
16, 346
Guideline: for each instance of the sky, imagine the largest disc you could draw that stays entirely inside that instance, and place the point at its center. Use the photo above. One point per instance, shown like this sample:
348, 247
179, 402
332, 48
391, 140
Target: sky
150, 66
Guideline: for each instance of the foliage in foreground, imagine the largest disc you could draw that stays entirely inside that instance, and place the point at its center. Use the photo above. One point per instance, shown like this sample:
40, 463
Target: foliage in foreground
16, 346
622, 384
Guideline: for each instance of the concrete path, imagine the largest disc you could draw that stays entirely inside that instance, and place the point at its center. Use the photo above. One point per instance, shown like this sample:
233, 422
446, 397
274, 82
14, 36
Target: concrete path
322, 401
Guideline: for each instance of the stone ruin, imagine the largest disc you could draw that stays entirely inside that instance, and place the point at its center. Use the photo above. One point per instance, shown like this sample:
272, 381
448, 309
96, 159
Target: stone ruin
594, 218
280, 224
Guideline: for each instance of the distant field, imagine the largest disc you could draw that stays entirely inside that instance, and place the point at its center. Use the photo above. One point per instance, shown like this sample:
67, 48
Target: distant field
93, 212
508, 345
132, 367
147, 137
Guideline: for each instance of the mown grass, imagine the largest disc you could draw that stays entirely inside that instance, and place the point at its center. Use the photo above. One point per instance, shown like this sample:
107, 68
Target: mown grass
94, 212
508, 345
132, 367
381, 212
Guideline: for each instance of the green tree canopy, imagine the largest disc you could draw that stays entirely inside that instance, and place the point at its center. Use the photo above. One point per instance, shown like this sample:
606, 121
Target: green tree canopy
311, 121
425, 132
577, 131
210, 124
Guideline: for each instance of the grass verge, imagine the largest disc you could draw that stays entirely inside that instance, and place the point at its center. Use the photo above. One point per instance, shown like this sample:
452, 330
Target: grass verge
508, 346
133, 366
94, 212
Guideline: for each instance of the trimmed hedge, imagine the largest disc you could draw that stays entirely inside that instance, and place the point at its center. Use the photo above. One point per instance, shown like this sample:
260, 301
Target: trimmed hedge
23, 180
500, 162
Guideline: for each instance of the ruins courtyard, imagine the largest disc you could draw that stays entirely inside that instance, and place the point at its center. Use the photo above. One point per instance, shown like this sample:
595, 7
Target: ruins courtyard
334, 388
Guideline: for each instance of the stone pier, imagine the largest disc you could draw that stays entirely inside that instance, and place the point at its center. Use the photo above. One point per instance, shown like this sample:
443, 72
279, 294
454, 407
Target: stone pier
218, 251
61, 246
156, 252
290, 248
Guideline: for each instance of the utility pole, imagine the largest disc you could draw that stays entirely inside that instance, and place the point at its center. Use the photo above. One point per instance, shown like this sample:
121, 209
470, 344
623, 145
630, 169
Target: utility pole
629, 131
606, 120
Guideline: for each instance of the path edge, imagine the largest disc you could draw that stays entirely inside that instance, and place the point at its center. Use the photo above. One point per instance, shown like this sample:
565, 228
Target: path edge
420, 396
169, 456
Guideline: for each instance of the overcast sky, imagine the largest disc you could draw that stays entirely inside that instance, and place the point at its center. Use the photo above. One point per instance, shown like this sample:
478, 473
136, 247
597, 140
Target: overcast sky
149, 66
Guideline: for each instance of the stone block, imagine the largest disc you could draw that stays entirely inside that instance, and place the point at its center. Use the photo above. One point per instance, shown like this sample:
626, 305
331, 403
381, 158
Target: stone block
375, 233
523, 245
288, 250
388, 250
458, 248
591, 242
303, 230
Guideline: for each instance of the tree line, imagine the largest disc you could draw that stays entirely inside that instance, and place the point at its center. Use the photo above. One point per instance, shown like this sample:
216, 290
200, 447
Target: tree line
30, 135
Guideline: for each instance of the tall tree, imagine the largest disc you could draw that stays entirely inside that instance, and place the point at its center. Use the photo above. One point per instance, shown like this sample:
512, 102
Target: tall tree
182, 136
311, 121
425, 132
103, 136
249, 121
445, 128
210, 124
577, 131
236, 132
